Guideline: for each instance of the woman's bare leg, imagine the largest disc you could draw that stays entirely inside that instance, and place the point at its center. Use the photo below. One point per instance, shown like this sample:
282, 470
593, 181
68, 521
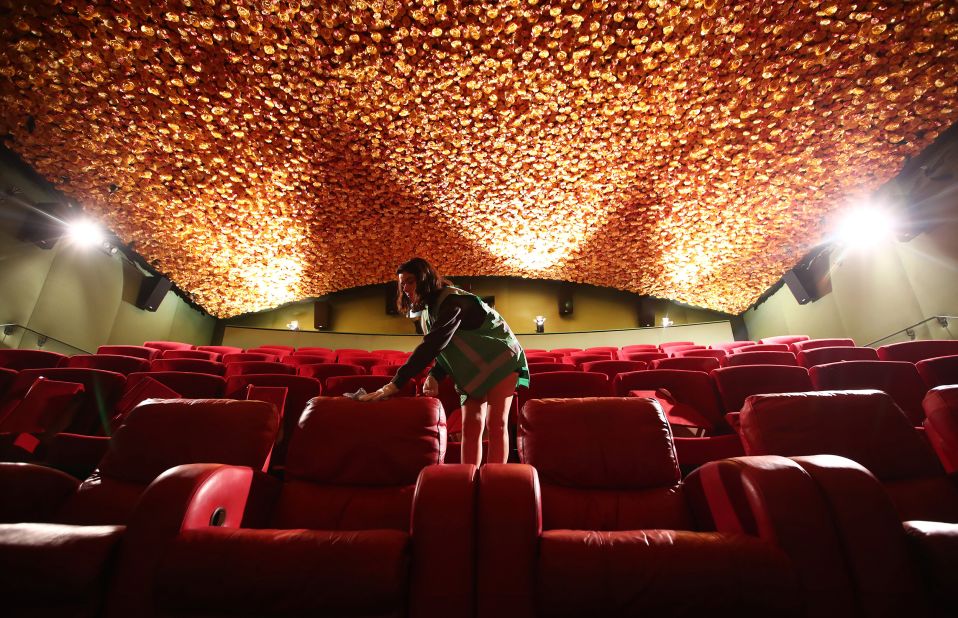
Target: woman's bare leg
473, 421
500, 402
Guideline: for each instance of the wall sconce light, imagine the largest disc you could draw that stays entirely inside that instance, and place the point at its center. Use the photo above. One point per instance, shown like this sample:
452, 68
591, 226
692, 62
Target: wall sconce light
540, 323
294, 325
666, 322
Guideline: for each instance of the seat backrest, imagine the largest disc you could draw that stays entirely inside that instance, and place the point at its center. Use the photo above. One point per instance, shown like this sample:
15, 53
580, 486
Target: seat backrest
308, 359
315, 350
645, 357
719, 354
251, 367
677, 350
865, 426
565, 351
731, 346
821, 356
568, 384
300, 389
938, 371
675, 344
321, 371
734, 384
941, 424
198, 354
109, 362
139, 351
220, 349
240, 357
914, 351
7, 377
187, 384
160, 434
102, 390
786, 339
168, 345
692, 388
897, 378
346, 353
611, 349
193, 365
587, 357
337, 386
282, 348
812, 344
603, 464
29, 359
761, 358
384, 369
612, 368
689, 363
354, 465
764, 347
640, 347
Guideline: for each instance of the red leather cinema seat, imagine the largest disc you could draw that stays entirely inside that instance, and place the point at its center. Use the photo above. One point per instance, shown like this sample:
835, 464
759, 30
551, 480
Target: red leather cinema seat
550, 367
108, 362
337, 386
734, 384
300, 389
187, 384
596, 522
612, 368
29, 359
192, 365
941, 424
768, 357
898, 379
938, 371
565, 384
168, 345
102, 390
914, 351
220, 350
60, 567
243, 368
363, 524
196, 354
688, 363
821, 356
814, 344
139, 351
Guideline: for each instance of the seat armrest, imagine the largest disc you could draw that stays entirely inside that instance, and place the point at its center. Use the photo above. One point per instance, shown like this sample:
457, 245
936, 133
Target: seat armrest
510, 524
444, 547
186, 497
774, 499
33, 493
874, 543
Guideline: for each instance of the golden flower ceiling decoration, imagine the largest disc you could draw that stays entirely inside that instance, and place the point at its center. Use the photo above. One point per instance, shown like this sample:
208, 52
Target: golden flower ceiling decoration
272, 150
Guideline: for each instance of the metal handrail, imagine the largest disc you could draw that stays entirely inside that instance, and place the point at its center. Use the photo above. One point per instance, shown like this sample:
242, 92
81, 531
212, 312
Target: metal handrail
42, 339
910, 330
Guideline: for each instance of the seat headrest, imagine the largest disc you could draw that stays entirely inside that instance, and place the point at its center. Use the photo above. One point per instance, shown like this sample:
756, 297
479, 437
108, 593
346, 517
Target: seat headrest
864, 425
341, 441
160, 434
599, 443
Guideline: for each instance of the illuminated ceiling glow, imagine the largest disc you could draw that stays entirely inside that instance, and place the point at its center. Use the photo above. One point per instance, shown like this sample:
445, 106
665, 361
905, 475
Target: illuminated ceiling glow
265, 151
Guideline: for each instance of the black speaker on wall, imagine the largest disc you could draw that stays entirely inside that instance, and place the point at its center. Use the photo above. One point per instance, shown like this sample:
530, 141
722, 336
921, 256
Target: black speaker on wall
646, 310
322, 315
152, 292
809, 280
565, 300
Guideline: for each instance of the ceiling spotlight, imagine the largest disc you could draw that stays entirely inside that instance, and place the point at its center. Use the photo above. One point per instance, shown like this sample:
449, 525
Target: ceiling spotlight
865, 226
85, 233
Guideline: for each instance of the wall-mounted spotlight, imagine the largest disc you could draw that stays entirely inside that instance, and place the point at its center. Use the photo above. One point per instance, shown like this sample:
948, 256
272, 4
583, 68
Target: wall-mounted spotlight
540, 323
293, 325
85, 233
666, 322
864, 227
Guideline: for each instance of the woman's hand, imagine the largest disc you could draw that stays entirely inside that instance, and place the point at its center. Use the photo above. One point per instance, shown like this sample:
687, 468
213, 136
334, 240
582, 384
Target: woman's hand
384, 393
430, 388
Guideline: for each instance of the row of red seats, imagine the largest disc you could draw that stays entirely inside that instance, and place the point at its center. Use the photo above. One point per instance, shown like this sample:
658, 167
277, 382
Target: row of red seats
365, 521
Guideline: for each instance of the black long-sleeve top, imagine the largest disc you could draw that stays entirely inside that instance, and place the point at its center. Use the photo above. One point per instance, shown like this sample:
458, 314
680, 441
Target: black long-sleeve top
457, 311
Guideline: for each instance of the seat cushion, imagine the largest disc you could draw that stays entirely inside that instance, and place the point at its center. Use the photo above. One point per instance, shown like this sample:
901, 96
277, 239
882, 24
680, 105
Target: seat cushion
281, 572
50, 564
662, 573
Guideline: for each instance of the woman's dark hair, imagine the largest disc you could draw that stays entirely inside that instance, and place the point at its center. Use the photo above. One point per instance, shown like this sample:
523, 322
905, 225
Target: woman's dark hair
428, 282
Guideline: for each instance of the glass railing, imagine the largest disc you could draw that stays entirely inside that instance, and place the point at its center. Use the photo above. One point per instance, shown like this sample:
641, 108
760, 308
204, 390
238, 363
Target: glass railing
15, 336
935, 327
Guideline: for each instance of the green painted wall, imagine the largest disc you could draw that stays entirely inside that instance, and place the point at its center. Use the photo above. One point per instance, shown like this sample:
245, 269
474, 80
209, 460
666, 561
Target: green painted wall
84, 298
362, 310
875, 293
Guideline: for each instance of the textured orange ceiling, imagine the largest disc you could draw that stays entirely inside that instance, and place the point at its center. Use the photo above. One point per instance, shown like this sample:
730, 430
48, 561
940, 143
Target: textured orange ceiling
275, 150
